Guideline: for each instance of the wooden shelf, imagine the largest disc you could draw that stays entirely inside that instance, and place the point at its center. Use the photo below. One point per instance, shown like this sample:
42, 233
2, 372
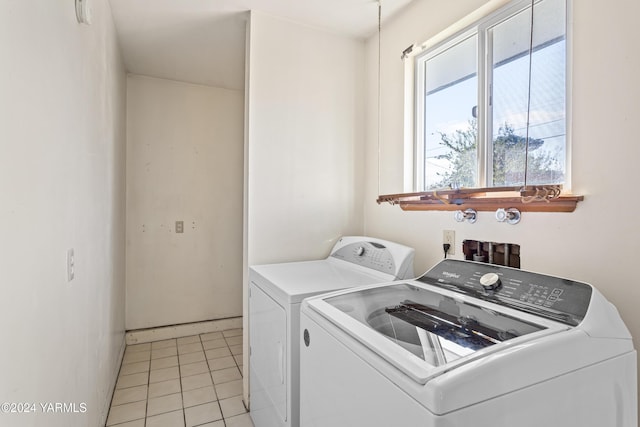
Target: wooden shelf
525, 199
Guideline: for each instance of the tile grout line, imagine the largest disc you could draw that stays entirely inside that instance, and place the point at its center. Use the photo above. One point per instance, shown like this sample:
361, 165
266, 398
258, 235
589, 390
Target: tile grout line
146, 410
184, 412
115, 386
212, 383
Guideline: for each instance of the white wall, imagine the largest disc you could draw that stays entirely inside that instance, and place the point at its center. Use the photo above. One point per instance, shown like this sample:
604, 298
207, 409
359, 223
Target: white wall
305, 140
303, 143
62, 154
598, 242
184, 163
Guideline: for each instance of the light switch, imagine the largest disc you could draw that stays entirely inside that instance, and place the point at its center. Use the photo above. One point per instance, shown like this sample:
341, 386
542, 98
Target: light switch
70, 265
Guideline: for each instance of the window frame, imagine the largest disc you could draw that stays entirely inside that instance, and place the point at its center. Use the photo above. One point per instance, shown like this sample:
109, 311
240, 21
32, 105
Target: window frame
419, 89
478, 24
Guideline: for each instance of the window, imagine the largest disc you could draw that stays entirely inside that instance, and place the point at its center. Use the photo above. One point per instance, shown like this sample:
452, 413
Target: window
475, 93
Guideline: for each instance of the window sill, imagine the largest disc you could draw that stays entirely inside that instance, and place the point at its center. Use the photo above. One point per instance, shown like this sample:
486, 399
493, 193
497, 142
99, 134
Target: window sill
525, 199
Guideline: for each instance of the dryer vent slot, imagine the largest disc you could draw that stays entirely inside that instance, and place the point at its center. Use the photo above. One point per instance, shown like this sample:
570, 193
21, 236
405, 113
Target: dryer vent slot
507, 254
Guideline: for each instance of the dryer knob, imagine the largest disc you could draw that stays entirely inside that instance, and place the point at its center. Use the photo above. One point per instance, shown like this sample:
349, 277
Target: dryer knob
360, 251
490, 281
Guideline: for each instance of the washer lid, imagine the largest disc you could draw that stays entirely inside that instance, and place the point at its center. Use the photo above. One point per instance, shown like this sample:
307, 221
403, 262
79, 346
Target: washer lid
424, 331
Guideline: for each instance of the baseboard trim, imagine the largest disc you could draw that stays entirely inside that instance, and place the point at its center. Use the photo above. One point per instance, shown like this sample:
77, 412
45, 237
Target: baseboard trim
139, 336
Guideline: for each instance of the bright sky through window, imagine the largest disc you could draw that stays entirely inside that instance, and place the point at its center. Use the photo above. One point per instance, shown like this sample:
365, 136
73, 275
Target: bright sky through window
450, 131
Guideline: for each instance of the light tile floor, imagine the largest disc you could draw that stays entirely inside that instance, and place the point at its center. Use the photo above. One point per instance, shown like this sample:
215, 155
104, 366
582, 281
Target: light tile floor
183, 382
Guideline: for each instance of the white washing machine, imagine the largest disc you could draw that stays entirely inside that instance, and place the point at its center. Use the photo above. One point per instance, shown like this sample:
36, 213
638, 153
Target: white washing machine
275, 294
467, 344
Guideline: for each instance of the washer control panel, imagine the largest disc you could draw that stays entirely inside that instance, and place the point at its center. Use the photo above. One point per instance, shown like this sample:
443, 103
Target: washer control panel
557, 299
368, 254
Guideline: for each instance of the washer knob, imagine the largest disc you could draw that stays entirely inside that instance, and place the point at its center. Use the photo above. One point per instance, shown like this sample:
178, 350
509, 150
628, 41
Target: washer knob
490, 281
360, 251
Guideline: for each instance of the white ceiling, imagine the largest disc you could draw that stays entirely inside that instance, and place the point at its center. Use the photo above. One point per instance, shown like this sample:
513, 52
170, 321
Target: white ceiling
202, 41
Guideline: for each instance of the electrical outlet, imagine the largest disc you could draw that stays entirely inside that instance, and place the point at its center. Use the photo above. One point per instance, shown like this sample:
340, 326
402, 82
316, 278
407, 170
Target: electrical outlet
179, 226
449, 236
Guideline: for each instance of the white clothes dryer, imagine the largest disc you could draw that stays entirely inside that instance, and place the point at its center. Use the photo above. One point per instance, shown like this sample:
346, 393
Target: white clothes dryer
275, 294
467, 344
